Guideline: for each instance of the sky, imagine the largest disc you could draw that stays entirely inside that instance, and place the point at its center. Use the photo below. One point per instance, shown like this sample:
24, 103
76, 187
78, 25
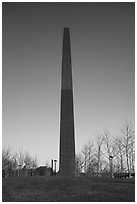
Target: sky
102, 51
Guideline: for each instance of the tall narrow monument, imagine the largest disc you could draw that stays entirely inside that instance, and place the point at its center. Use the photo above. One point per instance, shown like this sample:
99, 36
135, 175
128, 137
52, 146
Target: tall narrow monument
67, 138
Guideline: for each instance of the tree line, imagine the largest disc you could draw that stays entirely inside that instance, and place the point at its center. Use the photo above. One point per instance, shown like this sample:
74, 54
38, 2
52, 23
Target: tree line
105, 155
108, 155
13, 162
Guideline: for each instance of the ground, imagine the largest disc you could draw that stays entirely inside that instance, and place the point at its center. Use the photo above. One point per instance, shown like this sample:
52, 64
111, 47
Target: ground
78, 189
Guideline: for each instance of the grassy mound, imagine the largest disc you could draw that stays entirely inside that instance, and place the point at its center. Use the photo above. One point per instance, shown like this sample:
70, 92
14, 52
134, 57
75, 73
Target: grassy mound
78, 189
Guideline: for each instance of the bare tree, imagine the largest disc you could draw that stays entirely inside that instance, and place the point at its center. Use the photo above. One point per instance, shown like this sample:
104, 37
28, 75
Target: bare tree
127, 133
12, 163
132, 155
6, 157
110, 154
88, 157
85, 157
34, 162
98, 142
79, 164
9, 162
28, 160
20, 158
109, 149
120, 154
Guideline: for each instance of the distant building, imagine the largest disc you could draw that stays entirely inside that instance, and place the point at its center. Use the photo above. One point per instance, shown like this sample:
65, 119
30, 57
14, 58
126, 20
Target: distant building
43, 171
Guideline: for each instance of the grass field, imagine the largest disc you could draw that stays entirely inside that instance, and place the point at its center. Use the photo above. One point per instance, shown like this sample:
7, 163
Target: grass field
78, 189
